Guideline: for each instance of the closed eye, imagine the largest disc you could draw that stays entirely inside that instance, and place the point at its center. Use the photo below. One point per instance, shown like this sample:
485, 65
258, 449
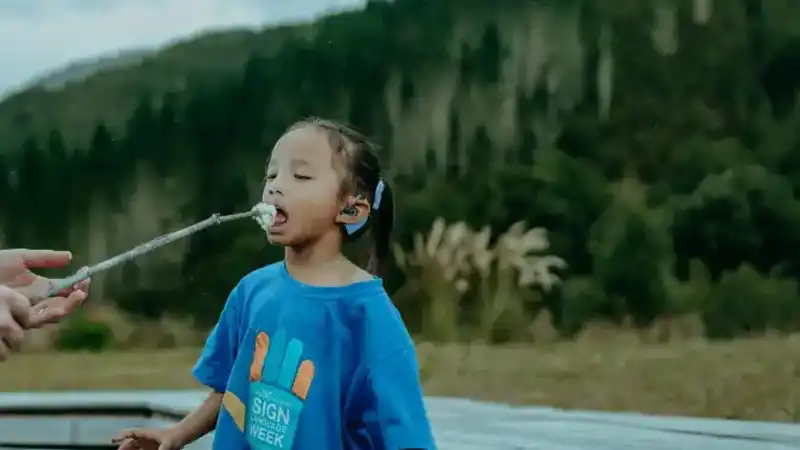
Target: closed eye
301, 177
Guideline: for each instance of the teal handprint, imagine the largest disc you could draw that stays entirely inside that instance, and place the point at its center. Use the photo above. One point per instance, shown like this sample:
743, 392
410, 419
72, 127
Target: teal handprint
279, 384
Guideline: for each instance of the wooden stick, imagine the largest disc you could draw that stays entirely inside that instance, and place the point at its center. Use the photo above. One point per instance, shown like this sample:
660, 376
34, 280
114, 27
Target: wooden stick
142, 249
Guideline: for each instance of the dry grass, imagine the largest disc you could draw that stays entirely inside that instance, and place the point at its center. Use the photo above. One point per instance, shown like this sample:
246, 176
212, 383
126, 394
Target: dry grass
749, 379
746, 379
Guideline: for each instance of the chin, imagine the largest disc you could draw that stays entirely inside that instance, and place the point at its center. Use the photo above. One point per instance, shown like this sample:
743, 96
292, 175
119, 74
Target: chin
278, 239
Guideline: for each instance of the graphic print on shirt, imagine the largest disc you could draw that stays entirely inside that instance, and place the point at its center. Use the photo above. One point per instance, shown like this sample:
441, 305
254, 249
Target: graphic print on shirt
279, 384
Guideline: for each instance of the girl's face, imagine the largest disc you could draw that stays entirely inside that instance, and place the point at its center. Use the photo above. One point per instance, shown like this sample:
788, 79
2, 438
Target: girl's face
303, 186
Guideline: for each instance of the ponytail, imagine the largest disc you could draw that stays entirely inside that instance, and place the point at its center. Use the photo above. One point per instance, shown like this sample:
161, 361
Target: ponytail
382, 222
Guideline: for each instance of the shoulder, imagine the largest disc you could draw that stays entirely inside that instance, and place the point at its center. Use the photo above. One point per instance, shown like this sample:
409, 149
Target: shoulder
260, 277
362, 275
377, 326
377, 306
254, 282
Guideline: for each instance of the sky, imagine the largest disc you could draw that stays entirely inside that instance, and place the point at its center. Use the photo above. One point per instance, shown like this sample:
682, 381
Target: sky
37, 36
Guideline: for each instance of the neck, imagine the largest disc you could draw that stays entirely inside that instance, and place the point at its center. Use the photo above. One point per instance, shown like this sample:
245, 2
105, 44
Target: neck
320, 262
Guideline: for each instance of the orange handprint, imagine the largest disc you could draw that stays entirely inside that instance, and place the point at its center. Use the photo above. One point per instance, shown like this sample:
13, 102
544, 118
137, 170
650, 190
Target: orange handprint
279, 385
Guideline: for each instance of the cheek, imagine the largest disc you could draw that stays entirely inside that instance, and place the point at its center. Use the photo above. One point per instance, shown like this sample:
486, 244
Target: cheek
318, 214
323, 199
320, 211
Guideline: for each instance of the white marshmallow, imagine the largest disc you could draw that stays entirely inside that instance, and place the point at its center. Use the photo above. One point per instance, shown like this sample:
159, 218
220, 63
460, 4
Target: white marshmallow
265, 215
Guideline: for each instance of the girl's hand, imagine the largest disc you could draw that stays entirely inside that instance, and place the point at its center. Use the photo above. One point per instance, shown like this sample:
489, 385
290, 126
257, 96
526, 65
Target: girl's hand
147, 439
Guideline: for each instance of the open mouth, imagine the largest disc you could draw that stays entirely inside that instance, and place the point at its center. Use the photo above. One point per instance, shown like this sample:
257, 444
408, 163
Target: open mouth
280, 218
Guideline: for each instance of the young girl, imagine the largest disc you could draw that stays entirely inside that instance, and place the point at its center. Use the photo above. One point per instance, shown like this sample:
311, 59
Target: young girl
309, 353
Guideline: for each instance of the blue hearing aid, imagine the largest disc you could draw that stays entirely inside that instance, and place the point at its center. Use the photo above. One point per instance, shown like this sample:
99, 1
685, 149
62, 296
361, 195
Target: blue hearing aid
352, 228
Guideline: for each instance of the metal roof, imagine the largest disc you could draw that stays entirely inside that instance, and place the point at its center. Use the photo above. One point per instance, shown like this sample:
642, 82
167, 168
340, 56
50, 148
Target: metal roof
92, 418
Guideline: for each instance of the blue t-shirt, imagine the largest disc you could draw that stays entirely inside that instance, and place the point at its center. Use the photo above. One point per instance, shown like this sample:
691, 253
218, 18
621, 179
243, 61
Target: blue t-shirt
313, 368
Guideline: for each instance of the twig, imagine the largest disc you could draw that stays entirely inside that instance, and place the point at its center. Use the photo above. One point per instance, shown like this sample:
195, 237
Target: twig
88, 271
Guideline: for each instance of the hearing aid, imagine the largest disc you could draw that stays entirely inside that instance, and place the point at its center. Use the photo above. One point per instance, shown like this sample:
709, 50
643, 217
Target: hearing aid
351, 210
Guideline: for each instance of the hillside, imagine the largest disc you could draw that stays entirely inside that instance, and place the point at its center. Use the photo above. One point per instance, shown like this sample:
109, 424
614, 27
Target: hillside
80, 70
113, 87
657, 146
111, 93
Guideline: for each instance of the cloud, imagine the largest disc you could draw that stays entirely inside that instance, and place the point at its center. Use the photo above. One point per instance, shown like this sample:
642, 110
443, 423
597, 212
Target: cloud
37, 36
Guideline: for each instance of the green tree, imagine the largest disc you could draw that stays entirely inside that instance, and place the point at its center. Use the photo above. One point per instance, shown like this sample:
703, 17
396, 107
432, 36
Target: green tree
632, 255
744, 214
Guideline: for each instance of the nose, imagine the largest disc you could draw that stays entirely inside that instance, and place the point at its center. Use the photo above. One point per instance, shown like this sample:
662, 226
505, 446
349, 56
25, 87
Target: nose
270, 192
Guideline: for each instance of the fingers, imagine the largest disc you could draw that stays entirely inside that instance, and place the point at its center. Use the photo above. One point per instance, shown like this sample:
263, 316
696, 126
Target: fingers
127, 440
38, 290
259, 355
122, 437
54, 309
44, 259
132, 434
74, 300
15, 304
128, 444
84, 285
12, 335
81, 286
14, 311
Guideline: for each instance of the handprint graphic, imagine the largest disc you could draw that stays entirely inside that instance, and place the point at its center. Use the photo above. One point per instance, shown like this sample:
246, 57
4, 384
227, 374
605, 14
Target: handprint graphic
279, 384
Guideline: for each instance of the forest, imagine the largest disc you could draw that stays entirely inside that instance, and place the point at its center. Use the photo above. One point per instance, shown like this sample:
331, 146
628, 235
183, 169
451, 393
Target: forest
592, 160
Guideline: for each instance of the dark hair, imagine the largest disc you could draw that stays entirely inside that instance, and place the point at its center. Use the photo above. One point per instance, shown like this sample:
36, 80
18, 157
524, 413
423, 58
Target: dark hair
360, 157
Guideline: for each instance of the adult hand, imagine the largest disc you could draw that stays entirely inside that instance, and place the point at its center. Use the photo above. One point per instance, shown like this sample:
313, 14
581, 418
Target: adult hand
14, 311
15, 273
53, 309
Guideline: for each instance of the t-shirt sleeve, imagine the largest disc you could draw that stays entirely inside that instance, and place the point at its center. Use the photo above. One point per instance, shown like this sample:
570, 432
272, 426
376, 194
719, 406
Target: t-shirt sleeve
394, 413
214, 366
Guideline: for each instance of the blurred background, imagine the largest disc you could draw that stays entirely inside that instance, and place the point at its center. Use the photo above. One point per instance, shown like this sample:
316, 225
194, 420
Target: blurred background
597, 199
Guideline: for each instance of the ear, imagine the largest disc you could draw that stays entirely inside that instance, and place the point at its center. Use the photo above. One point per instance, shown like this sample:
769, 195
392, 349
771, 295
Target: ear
358, 204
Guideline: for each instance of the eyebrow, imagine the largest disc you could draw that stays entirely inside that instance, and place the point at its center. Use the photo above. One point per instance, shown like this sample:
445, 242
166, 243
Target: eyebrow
299, 162
294, 163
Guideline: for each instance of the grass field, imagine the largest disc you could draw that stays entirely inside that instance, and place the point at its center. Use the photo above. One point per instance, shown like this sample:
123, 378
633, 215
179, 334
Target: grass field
747, 379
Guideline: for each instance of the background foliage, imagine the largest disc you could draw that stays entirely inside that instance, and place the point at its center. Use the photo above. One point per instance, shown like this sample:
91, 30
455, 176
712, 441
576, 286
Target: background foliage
656, 141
